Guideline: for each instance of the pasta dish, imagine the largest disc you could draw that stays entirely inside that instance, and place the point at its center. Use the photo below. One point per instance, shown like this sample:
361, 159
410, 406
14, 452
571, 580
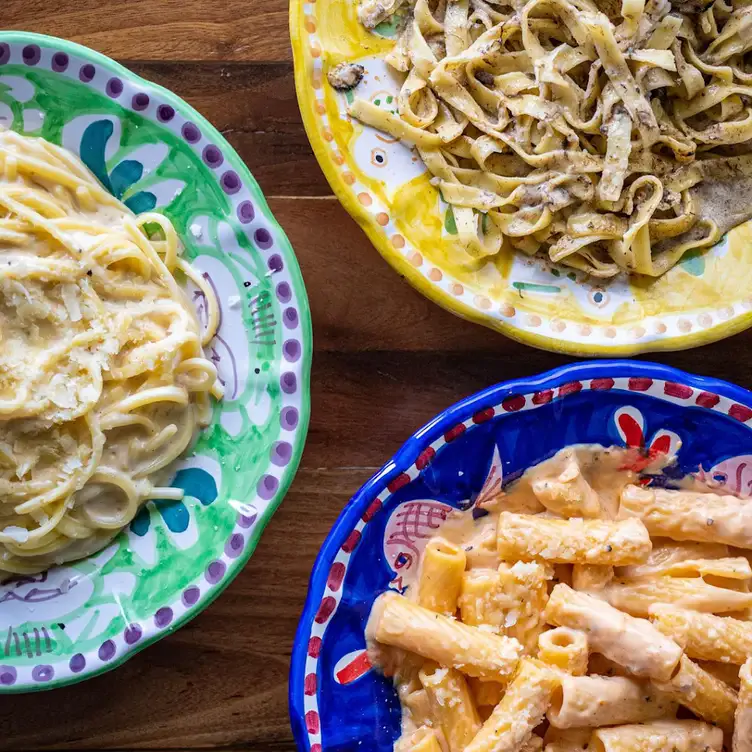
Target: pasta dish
578, 610
609, 138
103, 380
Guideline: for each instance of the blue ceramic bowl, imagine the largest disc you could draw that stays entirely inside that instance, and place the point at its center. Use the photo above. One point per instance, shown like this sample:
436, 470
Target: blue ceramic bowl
337, 702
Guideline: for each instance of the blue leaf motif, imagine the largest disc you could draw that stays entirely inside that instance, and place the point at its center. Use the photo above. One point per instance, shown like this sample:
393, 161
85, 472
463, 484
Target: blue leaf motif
125, 175
93, 143
141, 202
195, 482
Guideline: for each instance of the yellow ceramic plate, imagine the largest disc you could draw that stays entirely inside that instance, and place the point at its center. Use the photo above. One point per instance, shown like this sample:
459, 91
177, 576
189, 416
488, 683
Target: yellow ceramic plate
383, 184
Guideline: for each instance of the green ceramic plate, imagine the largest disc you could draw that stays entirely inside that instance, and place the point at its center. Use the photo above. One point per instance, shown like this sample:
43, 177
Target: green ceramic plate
153, 151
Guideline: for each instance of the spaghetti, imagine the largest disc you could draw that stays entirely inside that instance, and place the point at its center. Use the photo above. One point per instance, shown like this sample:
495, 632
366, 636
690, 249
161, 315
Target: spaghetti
103, 380
609, 139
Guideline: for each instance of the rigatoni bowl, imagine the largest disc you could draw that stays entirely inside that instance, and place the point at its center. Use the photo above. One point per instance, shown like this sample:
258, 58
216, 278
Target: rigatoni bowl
473, 449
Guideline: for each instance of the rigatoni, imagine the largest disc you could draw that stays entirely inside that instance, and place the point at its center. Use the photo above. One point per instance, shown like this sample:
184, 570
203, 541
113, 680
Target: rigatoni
689, 515
658, 736
593, 701
423, 739
567, 740
509, 600
630, 642
711, 638
743, 724
567, 492
522, 708
441, 576
396, 621
565, 649
636, 596
702, 693
591, 577
574, 541
451, 704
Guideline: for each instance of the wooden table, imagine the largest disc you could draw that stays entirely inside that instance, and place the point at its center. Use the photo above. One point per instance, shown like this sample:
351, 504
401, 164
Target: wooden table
386, 361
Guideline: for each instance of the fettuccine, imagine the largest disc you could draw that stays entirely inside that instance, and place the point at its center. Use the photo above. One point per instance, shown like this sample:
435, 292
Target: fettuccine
611, 139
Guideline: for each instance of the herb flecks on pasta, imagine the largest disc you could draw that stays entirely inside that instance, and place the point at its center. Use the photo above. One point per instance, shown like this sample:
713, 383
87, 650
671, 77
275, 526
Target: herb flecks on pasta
103, 379
608, 139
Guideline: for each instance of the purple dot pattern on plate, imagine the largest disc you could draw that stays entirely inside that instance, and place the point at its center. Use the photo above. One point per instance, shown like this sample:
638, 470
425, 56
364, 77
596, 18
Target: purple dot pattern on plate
42, 673
140, 101
263, 238
114, 87
246, 520
31, 54
275, 263
284, 294
288, 418
214, 572
191, 133
291, 350
87, 72
163, 617
234, 545
4, 53
212, 156
290, 318
7, 675
267, 486
132, 634
289, 382
106, 650
230, 182
246, 212
165, 113
191, 595
281, 453
77, 663
59, 62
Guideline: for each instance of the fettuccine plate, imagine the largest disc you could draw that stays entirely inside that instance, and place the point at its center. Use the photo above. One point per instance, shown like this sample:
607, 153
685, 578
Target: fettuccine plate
385, 187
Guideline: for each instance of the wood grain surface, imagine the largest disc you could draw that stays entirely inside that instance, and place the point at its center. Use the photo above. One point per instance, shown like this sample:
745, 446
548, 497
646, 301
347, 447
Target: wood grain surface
387, 360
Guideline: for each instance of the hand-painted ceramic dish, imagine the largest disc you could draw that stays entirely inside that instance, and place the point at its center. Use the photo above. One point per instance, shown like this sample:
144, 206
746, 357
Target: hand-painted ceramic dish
338, 702
152, 150
386, 189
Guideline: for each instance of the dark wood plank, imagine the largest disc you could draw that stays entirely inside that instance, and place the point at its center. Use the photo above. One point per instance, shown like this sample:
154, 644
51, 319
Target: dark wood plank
161, 29
255, 108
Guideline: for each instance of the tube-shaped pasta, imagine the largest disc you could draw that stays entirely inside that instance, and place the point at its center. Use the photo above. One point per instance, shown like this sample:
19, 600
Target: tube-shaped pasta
591, 577
711, 638
743, 723
451, 704
568, 493
510, 600
526, 584
582, 701
481, 601
533, 744
487, 693
658, 736
577, 541
567, 740
630, 642
728, 673
689, 515
667, 557
396, 621
636, 597
526, 700
423, 739
441, 576
707, 697
565, 649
